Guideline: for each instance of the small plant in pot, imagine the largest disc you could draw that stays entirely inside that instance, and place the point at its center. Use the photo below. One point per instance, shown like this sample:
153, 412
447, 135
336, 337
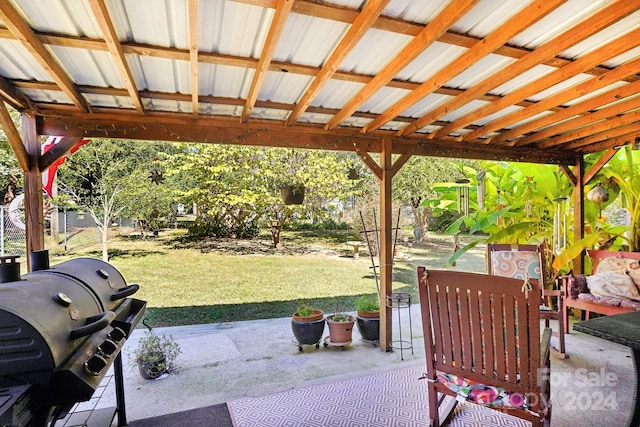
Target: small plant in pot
368, 318
307, 324
340, 329
155, 354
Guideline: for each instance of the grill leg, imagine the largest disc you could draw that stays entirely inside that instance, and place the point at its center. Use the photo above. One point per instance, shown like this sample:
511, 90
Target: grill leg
119, 379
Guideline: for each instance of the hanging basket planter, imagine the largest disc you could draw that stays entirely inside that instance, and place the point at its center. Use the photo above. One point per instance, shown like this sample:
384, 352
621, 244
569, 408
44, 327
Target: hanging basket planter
292, 195
598, 194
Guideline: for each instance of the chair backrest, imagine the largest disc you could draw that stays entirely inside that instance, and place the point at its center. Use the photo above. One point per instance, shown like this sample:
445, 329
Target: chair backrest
481, 327
514, 260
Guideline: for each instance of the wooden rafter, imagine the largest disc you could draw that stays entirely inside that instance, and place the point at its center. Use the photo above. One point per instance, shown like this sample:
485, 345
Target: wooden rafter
574, 110
580, 124
613, 142
534, 12
101, 13
193, 54
23, 32
589, 86
423, 40
275, 31
9, 92
602, 131
581, 64
586, 28
365, 19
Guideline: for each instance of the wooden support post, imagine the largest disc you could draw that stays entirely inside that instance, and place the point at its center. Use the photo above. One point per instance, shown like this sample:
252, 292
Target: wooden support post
386, 244
34, 221
578, 212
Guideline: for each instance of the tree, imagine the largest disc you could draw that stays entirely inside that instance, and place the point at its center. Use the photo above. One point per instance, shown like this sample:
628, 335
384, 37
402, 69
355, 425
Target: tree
237, 186
108, 178
10, 172
414, 183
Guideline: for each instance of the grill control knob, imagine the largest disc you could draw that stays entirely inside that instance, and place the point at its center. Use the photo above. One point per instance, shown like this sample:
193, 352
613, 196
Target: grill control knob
117, 335
107, 348
94, 365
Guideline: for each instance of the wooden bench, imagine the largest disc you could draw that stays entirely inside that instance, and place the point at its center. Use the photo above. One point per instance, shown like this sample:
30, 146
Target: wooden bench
575, 284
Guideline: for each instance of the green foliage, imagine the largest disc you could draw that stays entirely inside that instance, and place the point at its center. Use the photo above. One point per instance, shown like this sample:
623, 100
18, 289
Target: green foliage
305, 310
160, 349
340, 318
367, 303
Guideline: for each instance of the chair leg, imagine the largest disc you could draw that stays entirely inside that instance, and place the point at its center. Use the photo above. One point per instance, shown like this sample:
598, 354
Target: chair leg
448, 405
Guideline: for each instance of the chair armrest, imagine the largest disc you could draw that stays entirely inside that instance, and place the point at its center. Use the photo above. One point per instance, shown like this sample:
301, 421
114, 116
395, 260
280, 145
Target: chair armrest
545, 347
573, 285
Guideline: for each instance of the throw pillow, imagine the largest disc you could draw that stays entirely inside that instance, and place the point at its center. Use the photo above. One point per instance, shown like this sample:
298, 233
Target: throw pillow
613, 284
633, 270
611, 264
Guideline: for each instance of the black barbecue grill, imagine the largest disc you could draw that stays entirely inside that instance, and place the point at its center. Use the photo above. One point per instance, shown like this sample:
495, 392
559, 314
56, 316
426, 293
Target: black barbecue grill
61, 329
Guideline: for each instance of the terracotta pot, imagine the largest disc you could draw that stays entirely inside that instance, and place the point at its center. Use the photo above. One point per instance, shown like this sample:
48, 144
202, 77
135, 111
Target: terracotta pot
317, 315
340, 332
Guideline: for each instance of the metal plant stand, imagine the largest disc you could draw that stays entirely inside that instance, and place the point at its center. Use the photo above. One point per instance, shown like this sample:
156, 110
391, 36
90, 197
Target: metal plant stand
400, 301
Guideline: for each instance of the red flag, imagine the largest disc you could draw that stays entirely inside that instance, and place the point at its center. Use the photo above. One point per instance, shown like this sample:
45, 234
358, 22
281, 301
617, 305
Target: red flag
49, 175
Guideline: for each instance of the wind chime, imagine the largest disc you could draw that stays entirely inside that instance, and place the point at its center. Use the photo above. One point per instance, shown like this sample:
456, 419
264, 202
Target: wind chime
462, 193
559, 237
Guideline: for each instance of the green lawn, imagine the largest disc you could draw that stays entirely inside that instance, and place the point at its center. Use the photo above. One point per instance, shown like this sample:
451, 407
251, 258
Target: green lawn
239, 280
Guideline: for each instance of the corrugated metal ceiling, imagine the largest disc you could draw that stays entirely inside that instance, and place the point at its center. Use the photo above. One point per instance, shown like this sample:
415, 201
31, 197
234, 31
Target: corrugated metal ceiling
416, 72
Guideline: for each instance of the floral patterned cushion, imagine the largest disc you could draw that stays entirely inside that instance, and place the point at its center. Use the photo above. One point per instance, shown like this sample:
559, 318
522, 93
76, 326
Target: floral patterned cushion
481, 393
515, 264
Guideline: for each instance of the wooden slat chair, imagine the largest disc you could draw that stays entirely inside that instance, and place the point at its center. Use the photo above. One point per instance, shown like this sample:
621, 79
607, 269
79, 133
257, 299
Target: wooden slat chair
482, 344
520, 261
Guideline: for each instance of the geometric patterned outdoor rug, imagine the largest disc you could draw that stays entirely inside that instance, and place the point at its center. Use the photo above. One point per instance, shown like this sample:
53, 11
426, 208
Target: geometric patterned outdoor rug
389, 399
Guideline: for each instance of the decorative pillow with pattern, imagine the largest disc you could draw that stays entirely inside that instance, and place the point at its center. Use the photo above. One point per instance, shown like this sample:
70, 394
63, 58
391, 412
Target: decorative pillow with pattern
633, 270
515, 264
613, 284
611, 264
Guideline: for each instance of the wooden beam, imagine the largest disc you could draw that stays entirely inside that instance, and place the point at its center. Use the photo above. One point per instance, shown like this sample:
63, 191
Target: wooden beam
400, 161
9, 92
586, 62
186, 128
386, 245
628, 69
275, 31
371, 164
13, 136
436, 27
363, 22
193, 55
56, 152
103, 19
597, 167
614, 142
516, 24
569, 174
23, 32
578, 213
600, 131
585, 29
588, 117
34, 220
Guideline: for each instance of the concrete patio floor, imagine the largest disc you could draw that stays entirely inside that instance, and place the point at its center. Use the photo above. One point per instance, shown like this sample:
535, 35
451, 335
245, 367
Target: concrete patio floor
222, 362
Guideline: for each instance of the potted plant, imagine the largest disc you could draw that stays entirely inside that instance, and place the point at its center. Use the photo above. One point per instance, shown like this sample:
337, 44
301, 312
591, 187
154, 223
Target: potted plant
155, 354
368, 318
340, 329
307, 324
